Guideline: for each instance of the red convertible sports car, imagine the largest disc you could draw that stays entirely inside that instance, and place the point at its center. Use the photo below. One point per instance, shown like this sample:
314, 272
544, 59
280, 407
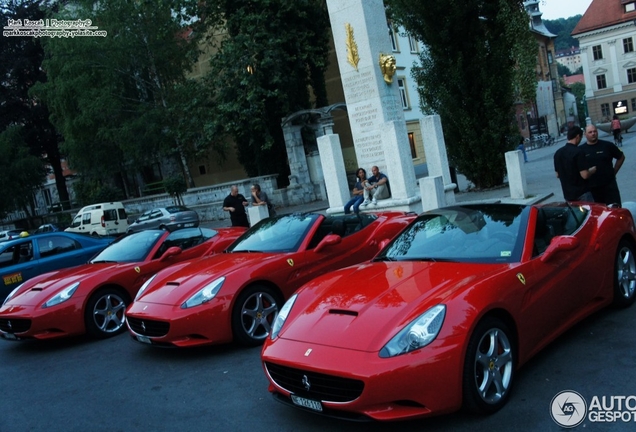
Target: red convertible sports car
445, 314
92, 298
236, 295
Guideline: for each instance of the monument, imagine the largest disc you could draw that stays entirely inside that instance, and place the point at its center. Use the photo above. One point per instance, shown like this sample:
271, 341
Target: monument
377, 121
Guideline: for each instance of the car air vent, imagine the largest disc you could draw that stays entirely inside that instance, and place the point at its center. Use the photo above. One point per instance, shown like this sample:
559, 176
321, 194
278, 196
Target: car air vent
343, 312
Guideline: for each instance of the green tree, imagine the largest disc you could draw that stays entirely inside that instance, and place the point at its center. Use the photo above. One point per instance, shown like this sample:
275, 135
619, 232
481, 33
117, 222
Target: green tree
21, 68
22, 172
562, 28
578, 90
123, 101
269, 55
473, 77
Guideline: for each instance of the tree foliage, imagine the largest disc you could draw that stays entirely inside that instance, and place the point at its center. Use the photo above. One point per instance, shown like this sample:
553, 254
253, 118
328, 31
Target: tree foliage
269, 54
563, 28
473, 77
22, 172
123, 101
578, 90
20, 66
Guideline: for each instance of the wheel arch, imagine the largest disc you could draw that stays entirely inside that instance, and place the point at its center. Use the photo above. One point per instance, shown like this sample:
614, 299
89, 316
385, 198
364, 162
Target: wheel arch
507, 318
120, 289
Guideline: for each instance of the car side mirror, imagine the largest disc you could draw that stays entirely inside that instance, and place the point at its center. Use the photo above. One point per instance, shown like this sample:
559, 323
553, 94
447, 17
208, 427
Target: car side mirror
560, 244
172, 251
329, 240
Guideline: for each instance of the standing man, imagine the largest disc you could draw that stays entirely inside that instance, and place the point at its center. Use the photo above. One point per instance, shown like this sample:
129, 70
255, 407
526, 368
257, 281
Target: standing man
572, 169
377, 187
235, 203
601, 154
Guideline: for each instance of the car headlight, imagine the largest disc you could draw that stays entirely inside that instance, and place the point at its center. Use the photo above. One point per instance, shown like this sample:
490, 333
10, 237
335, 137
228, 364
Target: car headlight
282, 316
419, 333
205, 294
144, 286
62, 296
12, 293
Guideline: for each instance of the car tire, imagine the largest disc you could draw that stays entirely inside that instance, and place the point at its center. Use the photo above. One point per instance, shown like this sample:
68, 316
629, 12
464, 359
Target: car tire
253, 314
489, 367
105, 315
624, 275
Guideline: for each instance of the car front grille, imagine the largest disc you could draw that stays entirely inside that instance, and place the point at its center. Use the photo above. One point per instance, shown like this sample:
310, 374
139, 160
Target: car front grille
14, 325
150, 328
322, 387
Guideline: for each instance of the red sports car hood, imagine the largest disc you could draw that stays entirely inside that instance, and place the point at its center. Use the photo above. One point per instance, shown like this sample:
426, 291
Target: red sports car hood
362, 308
173, 287
40, 289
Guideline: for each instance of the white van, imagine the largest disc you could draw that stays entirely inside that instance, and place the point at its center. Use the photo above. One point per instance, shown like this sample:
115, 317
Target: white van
100, 219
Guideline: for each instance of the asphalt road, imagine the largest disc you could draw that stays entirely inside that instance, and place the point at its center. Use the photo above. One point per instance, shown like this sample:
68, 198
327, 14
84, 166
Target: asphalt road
120, 385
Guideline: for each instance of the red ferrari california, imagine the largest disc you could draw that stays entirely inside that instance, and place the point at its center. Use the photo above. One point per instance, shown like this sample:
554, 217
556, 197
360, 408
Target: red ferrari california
449, 310
236, 295
92, 298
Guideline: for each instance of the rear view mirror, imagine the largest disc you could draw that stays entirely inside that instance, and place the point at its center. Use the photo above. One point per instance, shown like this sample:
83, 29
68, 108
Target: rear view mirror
559, 244
329, 240
172, 251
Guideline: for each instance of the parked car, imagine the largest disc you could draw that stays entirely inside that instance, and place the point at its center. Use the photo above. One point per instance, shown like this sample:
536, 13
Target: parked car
100, 220
47, 228
236, 295
92, 298
9, 235
27, 257
449, 310
166, 218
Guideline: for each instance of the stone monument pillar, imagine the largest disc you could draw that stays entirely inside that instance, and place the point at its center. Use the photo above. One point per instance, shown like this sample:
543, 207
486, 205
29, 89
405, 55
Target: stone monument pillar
363, 49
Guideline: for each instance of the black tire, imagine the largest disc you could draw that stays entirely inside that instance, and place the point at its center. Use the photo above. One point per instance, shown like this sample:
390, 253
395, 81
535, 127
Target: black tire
489, 367
624, 275
254, 313
105, 313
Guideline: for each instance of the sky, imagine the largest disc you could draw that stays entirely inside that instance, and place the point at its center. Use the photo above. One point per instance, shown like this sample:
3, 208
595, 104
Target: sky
555, 9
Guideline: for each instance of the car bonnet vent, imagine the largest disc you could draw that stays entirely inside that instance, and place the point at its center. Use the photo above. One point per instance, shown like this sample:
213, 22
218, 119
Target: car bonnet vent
36, 288
343, 312
173, 283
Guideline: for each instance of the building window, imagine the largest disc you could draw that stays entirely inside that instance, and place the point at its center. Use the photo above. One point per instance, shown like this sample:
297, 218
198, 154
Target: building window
628, 45
597, 52
393, 37
403, 96
601, 83
202, 170
550, 59
412, 143
413, 45
522, 121
631, 75
633, 104
605, 110
630, 7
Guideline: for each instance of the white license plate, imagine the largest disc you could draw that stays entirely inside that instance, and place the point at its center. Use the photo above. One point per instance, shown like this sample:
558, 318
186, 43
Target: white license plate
307, 403
188, 225
9, 336
143, 339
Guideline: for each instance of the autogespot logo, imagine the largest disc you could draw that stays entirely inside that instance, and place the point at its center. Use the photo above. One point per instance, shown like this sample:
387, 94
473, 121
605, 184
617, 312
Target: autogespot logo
568, 409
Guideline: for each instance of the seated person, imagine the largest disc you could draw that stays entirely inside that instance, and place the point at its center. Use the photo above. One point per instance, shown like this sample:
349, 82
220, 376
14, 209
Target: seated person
377, 187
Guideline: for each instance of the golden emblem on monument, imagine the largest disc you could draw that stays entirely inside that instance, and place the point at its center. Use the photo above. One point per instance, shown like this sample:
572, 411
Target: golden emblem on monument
352, 47
388, 67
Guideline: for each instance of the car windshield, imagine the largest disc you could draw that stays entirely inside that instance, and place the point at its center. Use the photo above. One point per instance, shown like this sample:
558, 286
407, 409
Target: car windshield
481, 233
278, 234
132, 248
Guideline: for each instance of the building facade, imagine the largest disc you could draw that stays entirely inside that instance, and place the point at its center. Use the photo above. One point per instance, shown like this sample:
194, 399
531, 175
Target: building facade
607, 34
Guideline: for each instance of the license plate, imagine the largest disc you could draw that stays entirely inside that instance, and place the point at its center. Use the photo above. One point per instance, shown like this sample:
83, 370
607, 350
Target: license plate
9, 336
307, 403
143, 339
188, 225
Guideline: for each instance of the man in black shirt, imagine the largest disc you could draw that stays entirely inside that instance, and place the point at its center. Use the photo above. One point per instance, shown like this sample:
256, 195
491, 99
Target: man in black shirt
235, 203
602, 154
572, 168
